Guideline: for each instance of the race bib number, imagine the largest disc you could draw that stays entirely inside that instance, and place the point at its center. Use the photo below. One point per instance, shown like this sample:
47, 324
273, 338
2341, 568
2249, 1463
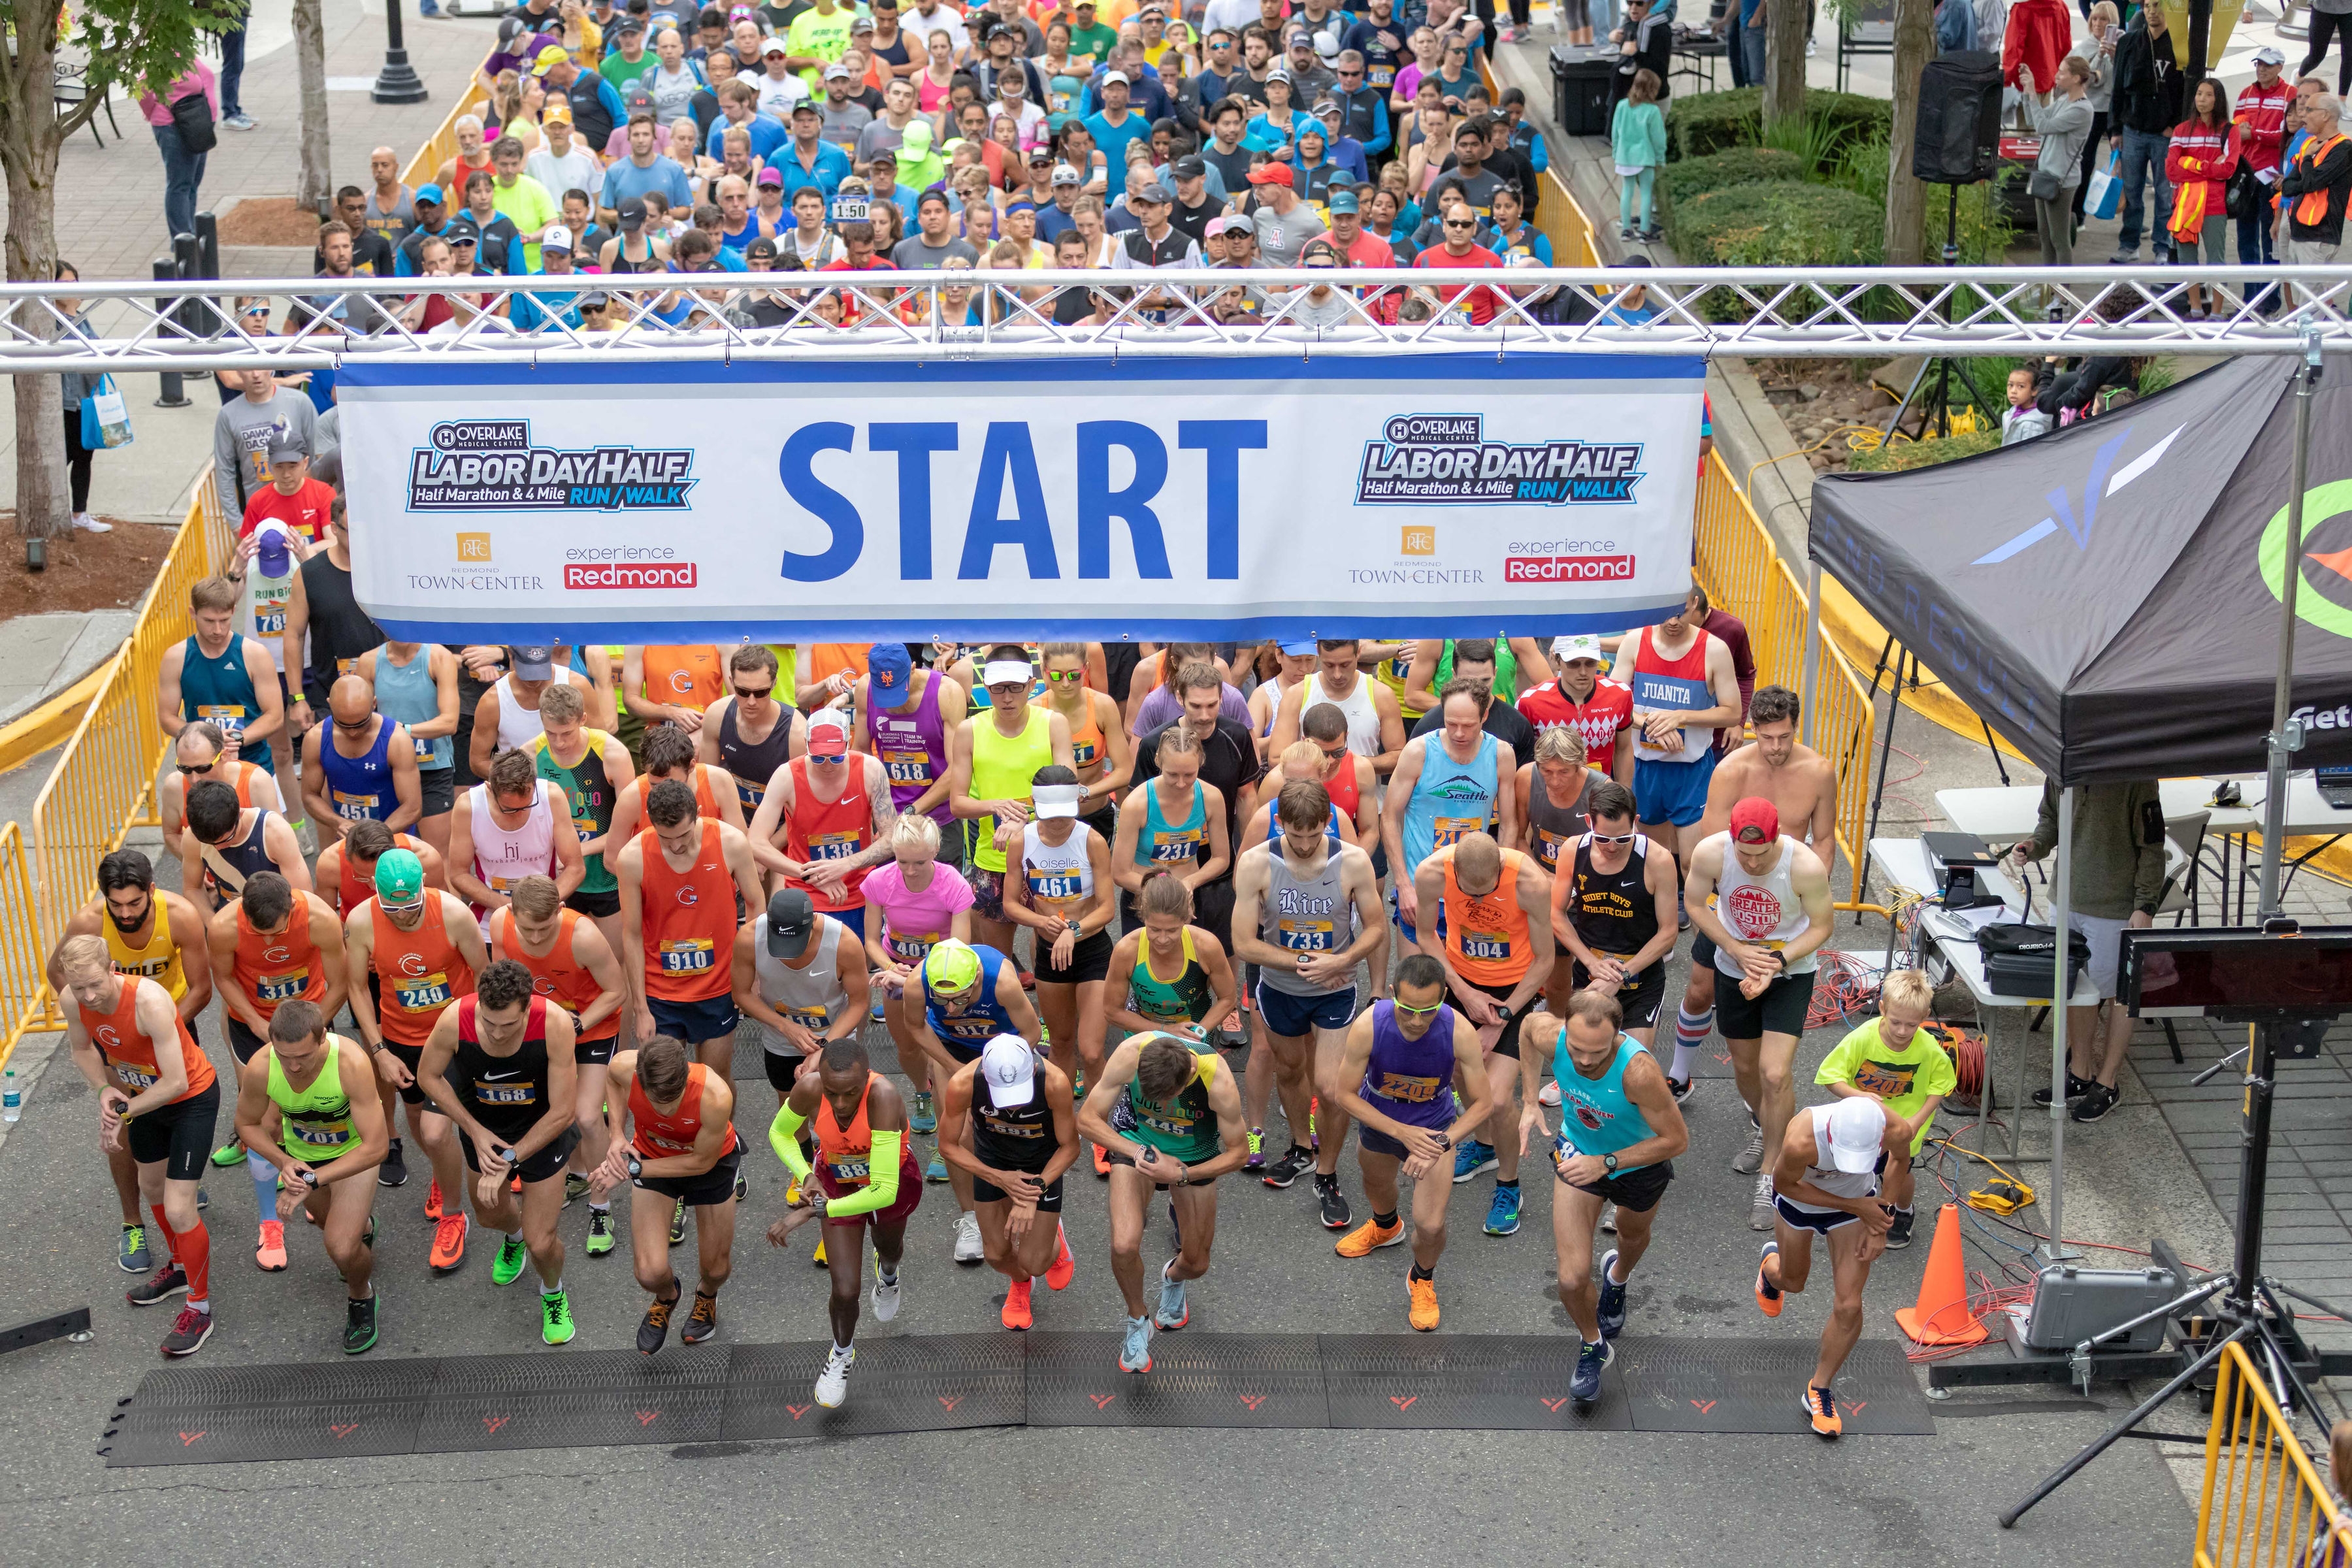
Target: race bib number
321, 1133
1083, 753
750, 794
424, 749
849, 1173
133, 1079
221, 710
420, 994
268, 620
907, 767
355, 807
1456, 316
1183, 845
506, 1094
276, 988
1056, 889
834, 846
1453, 830
1413, 1090
1493, 945
694, 956
1548, 847
1309, 936
911, 949
816, 1020
969, 1026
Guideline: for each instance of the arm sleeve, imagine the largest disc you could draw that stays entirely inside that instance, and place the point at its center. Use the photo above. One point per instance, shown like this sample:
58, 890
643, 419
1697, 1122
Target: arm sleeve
784, 1137
881, 1189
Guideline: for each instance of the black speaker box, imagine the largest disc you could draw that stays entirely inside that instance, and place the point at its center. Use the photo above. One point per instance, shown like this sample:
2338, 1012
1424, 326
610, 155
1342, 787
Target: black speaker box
1959, 119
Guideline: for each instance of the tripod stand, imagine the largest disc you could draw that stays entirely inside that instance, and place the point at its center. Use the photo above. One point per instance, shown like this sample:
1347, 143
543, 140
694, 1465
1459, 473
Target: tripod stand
1937, 411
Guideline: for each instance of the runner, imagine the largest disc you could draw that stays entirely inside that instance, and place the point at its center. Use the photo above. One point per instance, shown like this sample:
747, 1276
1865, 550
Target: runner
506, 717
270, 946
1294, 662
1493, 938
992, 757
682, 881
865, 1174
157, 1102
1063, 895
668, 753
1891, 1059
1825, 1172
360, 767
748, 732
501, 1066
346, 867
1376, 727
673, 685
1519, 666
919, 902
1555, 795
1764, 902
971, 995
1171, 1120
222, 675
1307, 912
683, 1148
1014, 1139
1612, 911
1619, 1133
148, 934
420, 950
572, 966
1447, 784
196, 757
1303, 763
1192, 1001
1395, 1077
800, 975
1597, 710
1100, 748
1348, 777
1684, 692
1802, 784
307, 1103
1174, 823
415, 684
513, 824
591, 768
825, 821
903, 716
228, 843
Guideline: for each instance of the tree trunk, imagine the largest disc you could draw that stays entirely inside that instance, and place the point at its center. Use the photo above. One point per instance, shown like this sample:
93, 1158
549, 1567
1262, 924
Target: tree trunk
44, 505
1784, 62
315, 185
1906, 195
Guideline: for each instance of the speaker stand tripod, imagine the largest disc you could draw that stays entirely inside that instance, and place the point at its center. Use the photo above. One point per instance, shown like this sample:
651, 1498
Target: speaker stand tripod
1936, 410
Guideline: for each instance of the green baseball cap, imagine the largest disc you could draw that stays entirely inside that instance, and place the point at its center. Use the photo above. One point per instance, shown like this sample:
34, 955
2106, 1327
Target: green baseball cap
952, 967
399, 880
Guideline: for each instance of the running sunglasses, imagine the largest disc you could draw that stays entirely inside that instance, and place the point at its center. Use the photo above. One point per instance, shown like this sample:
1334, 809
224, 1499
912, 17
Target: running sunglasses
1455, 223
754, 694
1614, 837
199, 767
1418, 1012
1064, 677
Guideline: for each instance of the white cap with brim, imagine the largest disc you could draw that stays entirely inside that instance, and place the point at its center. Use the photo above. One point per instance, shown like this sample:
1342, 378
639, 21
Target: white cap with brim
1009, 1069
1857, 1128
1566, 649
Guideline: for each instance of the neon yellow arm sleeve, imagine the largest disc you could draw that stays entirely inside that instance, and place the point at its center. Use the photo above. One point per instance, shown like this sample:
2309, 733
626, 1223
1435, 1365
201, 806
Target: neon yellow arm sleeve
881, 1189
784, 1137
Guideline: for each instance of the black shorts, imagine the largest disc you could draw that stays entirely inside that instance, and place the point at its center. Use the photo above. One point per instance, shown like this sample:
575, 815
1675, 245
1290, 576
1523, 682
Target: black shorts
178, 1136
545, 1165
984, 1191
714, 1186
1641, 1002
438, 788
1115, 1158
695, 1022
1089, 961
595, 1053
1105, 821
783, 1068
1635, 1192
1372, 1141
408, 1056
1780, 1010
243, 1042
1508, 1046
1821, 1222
601, 906
1703, 951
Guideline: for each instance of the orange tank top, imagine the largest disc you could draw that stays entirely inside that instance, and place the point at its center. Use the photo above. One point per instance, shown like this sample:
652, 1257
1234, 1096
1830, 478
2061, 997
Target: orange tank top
845, 1154
1488, 935
660, 1137
240, 775
831, 830
706, 805
555, 974
130, 1055
685, 676
352, 889
1090, 752
689, 920
418, 972
277, 966
830, 659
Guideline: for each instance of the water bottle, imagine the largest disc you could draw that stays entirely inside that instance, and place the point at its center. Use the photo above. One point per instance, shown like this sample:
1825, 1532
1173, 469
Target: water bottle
12, 1099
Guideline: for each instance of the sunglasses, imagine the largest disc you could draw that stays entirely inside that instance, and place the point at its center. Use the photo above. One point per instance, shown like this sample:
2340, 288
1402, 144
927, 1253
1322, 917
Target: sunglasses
829, 759
199, 767
1452, 222
1599, 837
1418, 1012
1064, 677
754, 693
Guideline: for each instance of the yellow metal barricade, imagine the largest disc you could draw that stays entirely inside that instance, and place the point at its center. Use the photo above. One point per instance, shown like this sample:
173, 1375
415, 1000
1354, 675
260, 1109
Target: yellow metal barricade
26, 1005
2265, 1504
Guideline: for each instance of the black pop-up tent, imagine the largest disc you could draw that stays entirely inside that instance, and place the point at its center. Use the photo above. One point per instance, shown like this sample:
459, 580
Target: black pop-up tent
2107, 596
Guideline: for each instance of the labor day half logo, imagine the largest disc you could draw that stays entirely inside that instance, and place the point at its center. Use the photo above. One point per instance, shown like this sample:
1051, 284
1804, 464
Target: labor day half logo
481, 465
1446, 457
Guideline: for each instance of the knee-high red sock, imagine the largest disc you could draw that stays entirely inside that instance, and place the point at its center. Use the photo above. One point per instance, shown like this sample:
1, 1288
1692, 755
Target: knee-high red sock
171, 1237
192, 1250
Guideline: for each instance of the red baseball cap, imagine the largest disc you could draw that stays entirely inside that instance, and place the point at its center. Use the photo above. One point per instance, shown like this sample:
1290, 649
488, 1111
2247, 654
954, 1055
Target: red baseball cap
1755, 821
1270, 174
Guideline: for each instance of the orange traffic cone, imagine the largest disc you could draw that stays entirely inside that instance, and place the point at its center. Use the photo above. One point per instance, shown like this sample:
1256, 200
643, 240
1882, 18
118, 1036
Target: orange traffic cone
1942, 1316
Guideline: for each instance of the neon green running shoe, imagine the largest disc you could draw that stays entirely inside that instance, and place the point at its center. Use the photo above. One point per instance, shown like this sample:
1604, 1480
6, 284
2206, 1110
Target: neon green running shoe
508, 1265
600, 1232
555, 1318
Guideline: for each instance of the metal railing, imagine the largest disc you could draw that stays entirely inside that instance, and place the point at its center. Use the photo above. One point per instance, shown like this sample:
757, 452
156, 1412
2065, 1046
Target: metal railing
2265, 1504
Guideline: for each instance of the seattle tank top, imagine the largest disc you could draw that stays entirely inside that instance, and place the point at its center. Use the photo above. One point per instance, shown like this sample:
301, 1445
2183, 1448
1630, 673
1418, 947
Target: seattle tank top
1450, 800
359, 788
1597, 1117
812, 996
1412, 1080
405, 693
1763, 909
913, 746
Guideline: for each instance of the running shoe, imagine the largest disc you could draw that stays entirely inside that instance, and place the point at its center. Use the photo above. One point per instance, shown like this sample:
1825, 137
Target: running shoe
937, 1170
600, 1232
1760, 1212
204, 1198
270, 1256
1769, 1299
968, 1245
654, 1332
1471, 1158
233, 1152
432, 1210
359, 1327
1548, 1095
555, 1318
507, 1266
1172, 1313
1256, 1161
161, 1286
1366, 1238
130, 1252
1607, 1219
1821, 1408
1295, 1162
1064, 1268
1751, 1157
1899, 1234
189, 1331
2076, 1088
1585, 1386
1017, 1313
742, 1184
678, 1222
575, 1187
886, 1294
1102, 1163
1502, 1213
1680, 1086
792, 1195
448, 1244
1135, 1349
393, 1173
2096, 1101
1422, 1313
818, 1257
1612, 1299
240, 121
702, 1321
1331, 1202
832, 1382
923, 1117
874, 1011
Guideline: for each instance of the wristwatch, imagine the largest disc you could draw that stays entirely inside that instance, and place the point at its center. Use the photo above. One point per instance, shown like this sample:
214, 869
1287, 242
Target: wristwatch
1445, 1141
636, 1169
507, 1155
1609, 1163
1782, 960
1502, 1011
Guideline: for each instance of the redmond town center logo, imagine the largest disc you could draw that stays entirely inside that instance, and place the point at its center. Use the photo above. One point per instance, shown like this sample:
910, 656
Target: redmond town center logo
480, 464
1446, 457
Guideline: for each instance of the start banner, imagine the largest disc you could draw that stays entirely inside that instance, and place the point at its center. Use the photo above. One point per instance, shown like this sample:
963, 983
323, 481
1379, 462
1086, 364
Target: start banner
1220, 499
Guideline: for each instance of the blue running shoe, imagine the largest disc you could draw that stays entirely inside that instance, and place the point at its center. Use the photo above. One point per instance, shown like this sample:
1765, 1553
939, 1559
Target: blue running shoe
920, 1116
1174, 1313
1585, 1386
937, 1170
1502, 1213
1135, 1349
1471, 1158
1612, 1299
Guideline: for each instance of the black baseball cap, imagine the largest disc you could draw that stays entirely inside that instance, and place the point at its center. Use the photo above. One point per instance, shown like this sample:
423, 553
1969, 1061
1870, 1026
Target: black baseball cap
792, 919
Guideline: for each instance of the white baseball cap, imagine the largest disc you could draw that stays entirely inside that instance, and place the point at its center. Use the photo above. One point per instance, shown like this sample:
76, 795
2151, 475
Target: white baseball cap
557, 237
1010, 1069
1857, 1128
1564, 649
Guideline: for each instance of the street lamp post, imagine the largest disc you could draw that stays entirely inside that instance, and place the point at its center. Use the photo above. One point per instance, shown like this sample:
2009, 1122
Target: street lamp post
398, 81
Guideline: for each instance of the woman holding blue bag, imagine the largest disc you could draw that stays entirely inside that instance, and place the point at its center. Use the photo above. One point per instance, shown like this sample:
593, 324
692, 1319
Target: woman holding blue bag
80, 389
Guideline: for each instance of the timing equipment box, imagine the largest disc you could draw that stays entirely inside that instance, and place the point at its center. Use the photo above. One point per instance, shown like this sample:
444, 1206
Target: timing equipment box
2071, 1304
1580, 88
2016, 958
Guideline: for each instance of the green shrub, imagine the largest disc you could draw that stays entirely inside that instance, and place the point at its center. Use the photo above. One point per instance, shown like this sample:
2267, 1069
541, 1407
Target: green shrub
1778, 225
1705, 122
1720, 171
1904, 456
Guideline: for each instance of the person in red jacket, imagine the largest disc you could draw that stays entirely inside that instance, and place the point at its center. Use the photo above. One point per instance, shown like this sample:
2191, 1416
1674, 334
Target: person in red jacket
2260, 116
2038, 36
2205, 151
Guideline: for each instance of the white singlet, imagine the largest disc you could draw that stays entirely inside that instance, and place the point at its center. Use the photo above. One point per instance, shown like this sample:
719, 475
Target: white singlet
503, 857
1763, 909
814, 997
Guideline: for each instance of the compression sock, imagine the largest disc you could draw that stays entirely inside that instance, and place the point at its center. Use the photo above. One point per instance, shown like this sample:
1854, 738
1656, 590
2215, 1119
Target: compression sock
192, 1250
1691, 1031
1386, 1221
1420, 1273
265, 1185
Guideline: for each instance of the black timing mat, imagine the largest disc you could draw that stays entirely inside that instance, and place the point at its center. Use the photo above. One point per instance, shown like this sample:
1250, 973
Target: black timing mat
193, 1416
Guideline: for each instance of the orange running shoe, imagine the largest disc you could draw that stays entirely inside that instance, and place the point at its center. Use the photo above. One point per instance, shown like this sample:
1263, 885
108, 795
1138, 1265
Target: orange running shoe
1017, 1313
1821, 1405
448, 1244
1768, 1294
1366, 1238
1102, 1163
1059, 1273
270, 1256
514, 1183
1424, 1312
433, 1202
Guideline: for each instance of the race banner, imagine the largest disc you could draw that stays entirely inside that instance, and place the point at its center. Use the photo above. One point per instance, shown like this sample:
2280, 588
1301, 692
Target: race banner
1229, 499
